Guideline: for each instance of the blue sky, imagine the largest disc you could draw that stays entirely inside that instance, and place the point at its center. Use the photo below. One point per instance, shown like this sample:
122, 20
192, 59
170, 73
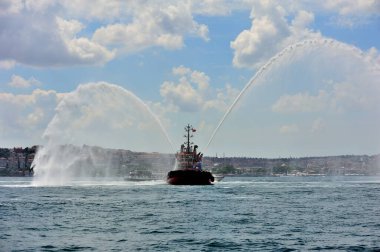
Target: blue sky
106, 72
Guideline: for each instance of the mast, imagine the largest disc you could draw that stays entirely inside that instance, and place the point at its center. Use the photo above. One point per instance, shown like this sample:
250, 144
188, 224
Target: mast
188, 136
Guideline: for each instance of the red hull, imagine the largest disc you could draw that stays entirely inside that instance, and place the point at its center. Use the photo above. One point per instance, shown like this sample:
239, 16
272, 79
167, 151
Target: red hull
190, 177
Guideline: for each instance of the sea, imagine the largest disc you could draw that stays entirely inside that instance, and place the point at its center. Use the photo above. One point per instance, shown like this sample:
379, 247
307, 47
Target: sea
236, 214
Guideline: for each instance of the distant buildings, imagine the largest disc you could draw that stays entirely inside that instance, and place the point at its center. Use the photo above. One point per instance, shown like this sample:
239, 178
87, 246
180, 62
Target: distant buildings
16, 161
96, 161
307, 166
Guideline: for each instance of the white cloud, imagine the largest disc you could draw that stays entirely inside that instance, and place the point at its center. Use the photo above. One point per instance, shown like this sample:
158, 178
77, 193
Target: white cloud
372, 57
7, 64
183, 95
68, 28
352, 13
187, 94
270, 33
213, 7
20, 82
46, 33
10, 6
289, 129
82, 49
278, 24
37, 37
353, 86
318, 125
72, 32
302, 20
339, 97
348, 96
201, 79
36, 116
107, 115
192, 93
353, 7
96, 9
38, 5
223, 99
301, 102
24, 117
160, 24
181, 70
347, 13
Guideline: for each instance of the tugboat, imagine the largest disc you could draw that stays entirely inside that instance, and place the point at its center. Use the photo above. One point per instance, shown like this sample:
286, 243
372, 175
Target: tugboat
189, 164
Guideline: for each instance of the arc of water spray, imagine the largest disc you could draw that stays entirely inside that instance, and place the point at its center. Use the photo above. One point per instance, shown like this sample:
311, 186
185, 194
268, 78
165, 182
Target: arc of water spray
288, 49
51, 162
160, 124
105, 85
154, 116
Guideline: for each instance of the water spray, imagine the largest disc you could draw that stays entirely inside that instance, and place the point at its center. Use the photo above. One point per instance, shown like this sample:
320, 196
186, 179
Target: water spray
289, 49
147, 109
58, 161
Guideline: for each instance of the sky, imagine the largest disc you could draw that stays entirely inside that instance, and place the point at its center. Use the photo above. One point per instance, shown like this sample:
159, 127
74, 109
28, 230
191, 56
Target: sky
297, 78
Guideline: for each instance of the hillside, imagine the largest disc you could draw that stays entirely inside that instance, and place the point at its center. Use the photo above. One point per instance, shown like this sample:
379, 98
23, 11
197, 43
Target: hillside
97, 161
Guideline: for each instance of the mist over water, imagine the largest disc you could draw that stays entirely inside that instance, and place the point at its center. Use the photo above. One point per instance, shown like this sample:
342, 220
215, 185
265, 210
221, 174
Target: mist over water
98, 114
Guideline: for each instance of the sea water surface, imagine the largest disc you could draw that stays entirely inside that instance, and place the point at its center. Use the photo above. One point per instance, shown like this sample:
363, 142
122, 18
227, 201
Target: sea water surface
237, 214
